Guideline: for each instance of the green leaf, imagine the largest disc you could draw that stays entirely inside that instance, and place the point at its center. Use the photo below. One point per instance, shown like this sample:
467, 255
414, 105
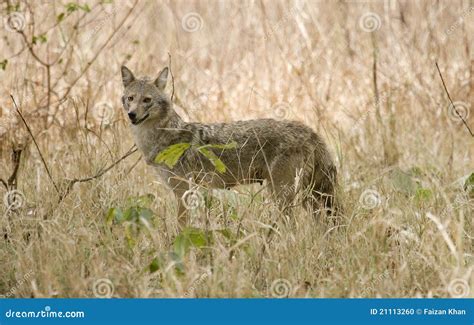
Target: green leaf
141, 201
469, 184
13, 8
181, 245
114, 215
131, 214
154, 265
215, 161
130, 232
40, 38
60, 17
71, 7
191, 237
85, 8
145, 213
402, 181
164, 259
423, 194
227, 233
171, 155
3, 64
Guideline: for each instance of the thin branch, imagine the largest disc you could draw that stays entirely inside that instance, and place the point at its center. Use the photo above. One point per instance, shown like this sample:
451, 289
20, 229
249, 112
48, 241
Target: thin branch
36, 144
452, 104
172, 77
96, 55
101, 172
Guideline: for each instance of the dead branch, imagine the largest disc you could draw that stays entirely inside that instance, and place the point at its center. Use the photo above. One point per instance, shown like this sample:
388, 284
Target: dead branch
451, 101
36, 144
100, 173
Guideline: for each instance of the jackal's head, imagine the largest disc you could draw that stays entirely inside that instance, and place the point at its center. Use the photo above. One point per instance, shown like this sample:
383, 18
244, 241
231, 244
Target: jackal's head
145, 99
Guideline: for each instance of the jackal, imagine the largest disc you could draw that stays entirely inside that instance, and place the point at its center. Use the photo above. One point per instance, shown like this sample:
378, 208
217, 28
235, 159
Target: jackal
264, 149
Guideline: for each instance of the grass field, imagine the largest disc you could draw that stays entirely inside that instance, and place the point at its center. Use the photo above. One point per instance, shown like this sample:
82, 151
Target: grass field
362, 74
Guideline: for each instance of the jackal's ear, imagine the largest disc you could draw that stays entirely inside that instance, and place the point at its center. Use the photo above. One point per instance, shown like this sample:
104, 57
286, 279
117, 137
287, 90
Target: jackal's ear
160, 82
127, 76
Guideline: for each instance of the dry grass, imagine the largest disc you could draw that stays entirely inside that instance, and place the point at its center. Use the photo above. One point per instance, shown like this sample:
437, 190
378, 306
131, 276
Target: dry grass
407, 227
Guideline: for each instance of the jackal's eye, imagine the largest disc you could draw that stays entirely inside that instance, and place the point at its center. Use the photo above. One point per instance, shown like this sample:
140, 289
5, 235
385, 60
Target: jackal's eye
147, 100
130, 98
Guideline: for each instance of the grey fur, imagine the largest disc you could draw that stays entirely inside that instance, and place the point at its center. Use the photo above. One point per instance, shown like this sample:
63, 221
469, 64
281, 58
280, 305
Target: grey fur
267, 150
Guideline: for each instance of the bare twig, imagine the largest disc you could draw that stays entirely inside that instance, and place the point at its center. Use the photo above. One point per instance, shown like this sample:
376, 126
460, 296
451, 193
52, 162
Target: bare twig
101, 172
172, 77
452, 104
96, 55
36, 144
